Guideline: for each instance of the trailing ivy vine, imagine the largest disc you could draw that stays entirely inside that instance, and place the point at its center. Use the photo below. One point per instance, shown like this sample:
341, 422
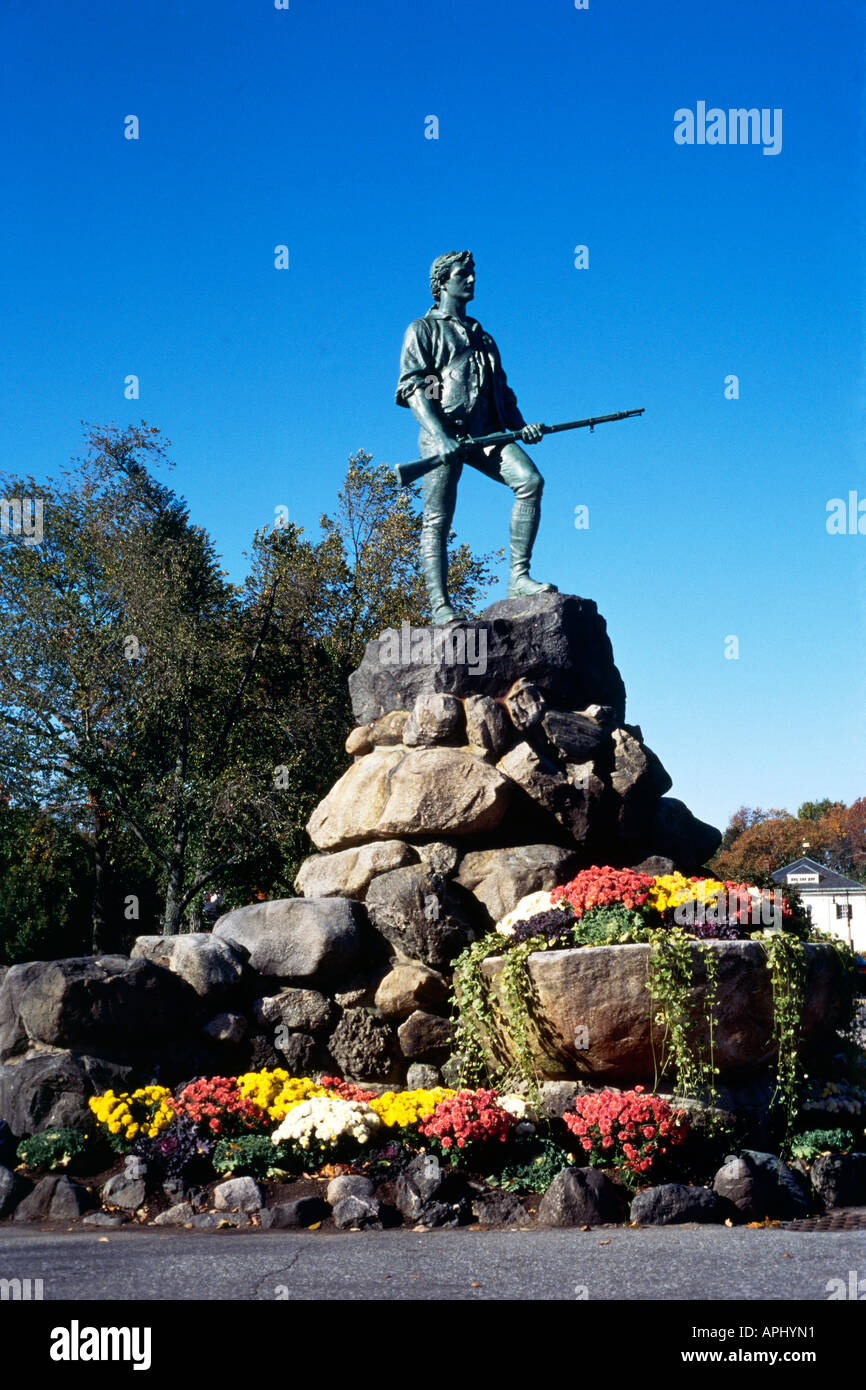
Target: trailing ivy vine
786, 961
493, 1017
670, 980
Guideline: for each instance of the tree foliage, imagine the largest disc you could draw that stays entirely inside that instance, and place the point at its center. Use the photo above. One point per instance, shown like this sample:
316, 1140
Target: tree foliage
147, 701
759, 842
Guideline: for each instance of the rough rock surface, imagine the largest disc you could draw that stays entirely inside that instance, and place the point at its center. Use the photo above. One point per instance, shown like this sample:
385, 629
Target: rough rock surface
421, 1076
51, 1090
237, 1194
298, 1053
303, 1211
54, 1198
840, 1179
227, 1028
638, 780
349, 1185
550, 790
422, 791
486, 724
580, 1197
409, 986
435, 718
760, 1185
424, 916
178, 1215
572, 736
304, 1009
596, 1017
426, 1196
354, 1213
440, 856
349, 872
124, 1191
524, 703
557, 641
499, 878
296, 938
673, 1203
92, 1003
425, 1037
363, 1046
205, 962
499, 1209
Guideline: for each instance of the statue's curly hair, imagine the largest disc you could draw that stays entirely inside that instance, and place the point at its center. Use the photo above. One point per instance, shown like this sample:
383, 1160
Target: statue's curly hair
441, 269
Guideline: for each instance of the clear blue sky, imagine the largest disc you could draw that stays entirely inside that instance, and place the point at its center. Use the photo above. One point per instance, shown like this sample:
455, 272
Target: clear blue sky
306, 127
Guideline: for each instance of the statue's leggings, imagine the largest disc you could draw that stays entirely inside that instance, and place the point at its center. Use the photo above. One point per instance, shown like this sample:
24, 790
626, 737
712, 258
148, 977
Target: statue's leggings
507, 464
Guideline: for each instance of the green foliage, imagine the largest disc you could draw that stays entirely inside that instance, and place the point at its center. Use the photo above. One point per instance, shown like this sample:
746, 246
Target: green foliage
53, 1148
143, 696
786, 960
531, 1165
812, 1142
475, 1015
611, 925
814, 810
514, 996
45, 887
670, 980
252, 1154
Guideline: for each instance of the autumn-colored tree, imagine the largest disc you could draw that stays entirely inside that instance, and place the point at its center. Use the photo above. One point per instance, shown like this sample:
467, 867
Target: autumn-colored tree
827, 831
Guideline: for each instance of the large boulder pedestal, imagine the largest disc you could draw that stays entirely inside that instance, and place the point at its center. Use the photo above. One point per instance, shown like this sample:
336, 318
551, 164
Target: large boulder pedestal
594, 1017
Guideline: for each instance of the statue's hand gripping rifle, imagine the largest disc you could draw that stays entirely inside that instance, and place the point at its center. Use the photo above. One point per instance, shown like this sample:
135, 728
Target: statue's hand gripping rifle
410, 472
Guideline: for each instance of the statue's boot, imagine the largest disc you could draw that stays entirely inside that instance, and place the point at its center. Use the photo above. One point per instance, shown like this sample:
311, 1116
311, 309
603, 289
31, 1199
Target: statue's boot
434, 564
524, 527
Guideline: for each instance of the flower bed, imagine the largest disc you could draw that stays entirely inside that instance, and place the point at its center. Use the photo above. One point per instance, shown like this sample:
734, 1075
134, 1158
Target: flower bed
626, 976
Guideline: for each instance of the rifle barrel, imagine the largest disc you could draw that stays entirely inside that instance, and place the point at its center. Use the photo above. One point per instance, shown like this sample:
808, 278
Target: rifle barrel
409, 472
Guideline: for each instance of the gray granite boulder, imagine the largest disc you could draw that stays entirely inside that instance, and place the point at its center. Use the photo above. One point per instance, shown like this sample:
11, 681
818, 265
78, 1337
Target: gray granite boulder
48, 1090
435, 718
93, 1003
558, 642
348, 873
581, 1197
761, 1186
296, 938
422, 915
203, 960
673, 1203
499, 878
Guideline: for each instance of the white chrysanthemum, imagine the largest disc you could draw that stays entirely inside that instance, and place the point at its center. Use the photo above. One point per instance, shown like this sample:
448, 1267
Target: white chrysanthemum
514, 1105
327, 1119
529, 906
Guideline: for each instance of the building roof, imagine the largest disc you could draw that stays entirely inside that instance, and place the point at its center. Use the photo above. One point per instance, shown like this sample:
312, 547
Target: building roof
828, 879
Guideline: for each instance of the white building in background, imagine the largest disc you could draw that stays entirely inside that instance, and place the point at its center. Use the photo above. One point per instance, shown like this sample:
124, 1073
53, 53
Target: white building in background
835, 903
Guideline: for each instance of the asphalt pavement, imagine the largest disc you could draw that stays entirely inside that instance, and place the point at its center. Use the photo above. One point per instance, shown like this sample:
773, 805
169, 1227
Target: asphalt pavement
707, 1263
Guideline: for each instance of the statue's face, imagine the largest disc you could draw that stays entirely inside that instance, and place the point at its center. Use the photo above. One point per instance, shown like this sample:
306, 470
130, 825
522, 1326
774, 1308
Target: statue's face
461, 282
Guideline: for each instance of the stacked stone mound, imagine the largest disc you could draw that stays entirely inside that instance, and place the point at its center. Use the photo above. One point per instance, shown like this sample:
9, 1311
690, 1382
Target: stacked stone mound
490, 760
505, 735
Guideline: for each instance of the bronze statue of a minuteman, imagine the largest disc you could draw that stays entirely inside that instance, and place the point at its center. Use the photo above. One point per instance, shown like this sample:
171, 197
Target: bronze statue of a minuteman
452, 379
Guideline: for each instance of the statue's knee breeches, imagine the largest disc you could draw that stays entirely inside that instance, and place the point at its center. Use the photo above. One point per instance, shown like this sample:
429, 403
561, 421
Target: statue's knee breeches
520, 473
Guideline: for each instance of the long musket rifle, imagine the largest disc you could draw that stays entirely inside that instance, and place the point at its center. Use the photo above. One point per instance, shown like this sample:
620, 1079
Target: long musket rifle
410, 472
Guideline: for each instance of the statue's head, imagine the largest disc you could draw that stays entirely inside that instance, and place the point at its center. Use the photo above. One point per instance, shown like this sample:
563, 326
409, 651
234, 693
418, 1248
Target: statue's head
440, 270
